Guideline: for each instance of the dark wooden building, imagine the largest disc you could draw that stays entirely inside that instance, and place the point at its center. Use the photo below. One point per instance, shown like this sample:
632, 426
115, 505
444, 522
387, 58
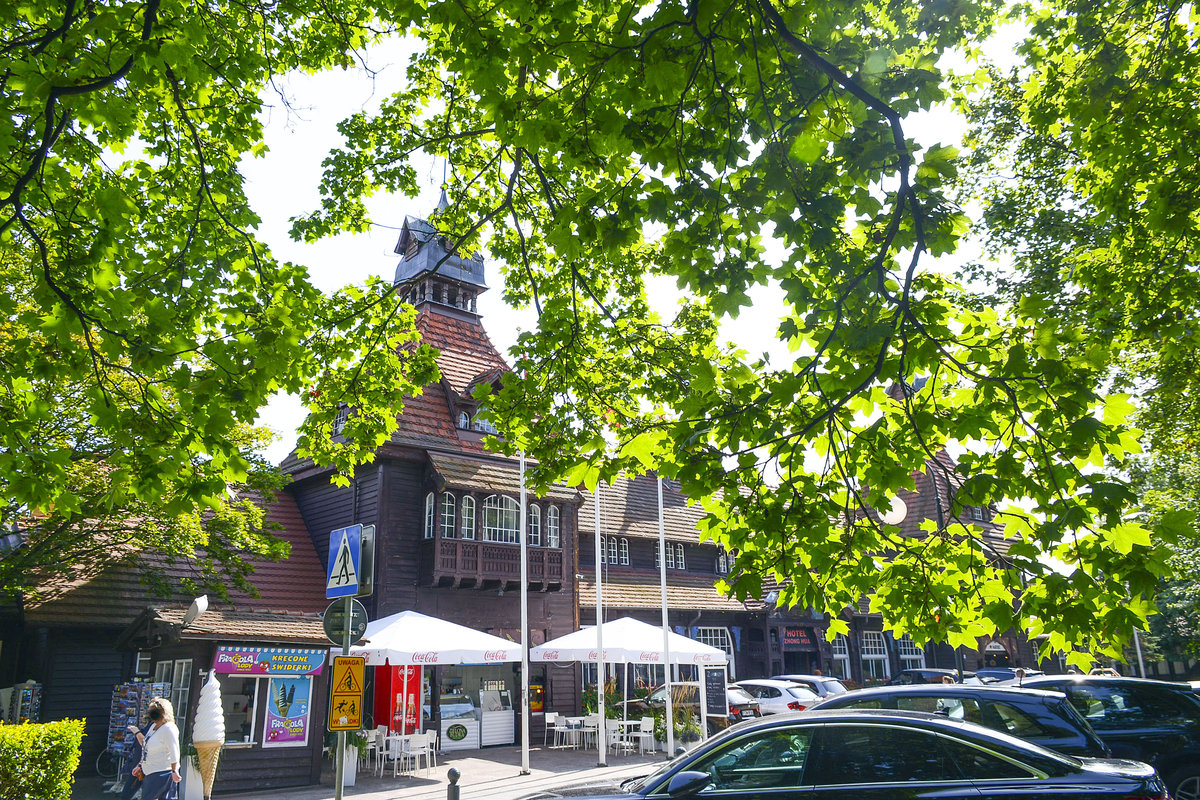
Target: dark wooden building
446, 511
86, 636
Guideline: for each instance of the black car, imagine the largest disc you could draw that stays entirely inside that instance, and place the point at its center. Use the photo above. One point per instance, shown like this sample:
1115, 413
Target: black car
932, 675
876, 755
1153, 721
1045, 718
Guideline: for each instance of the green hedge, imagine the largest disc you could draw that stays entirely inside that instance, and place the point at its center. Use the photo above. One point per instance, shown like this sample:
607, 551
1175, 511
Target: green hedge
37, 762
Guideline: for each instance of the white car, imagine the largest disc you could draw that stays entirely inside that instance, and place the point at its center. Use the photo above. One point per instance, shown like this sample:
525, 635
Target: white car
779, 697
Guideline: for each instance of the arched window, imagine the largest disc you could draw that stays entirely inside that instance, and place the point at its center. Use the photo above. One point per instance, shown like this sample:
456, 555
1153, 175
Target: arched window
553, 528
611, 544
464, 420
534, 522
841, 656
468, 518
500, 519
722, 562
679, 563
911, 656
874, 656
624, 552
448, 503
429, 516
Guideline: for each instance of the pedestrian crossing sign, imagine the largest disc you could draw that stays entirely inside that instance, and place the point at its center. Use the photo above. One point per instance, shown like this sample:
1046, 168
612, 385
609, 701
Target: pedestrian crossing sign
345, 554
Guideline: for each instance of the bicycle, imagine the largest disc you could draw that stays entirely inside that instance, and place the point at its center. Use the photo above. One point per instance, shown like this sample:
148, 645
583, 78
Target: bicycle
108, 763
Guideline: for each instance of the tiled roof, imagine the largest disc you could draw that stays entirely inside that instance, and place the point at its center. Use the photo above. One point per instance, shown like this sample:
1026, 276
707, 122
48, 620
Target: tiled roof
427, 422
115, 596
630, 589
489, 475
464, 350
270, 626
629, 507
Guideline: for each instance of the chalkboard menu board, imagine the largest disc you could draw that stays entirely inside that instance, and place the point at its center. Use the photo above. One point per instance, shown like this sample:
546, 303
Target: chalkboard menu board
714, 691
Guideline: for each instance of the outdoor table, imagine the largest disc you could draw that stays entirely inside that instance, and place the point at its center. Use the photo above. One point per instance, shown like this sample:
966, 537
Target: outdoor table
573, 732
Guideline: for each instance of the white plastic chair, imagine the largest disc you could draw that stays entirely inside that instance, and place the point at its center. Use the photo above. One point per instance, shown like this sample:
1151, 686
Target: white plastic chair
553, 728
615, 737
645, 736
416, 747
393, 750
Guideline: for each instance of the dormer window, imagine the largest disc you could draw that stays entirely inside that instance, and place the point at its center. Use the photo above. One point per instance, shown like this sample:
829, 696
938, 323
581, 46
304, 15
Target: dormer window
722, 562
485, 426
464, 420
340, 419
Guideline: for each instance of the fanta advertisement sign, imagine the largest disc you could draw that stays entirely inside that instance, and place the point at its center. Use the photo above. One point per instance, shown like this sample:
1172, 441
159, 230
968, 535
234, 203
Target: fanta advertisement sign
268, 661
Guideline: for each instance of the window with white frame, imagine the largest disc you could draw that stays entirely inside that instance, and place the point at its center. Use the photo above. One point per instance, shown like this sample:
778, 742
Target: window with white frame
609, 546
976, 512
841, 656
162, 672
720, 639
911, 656
722, 562
874, 656
484, 425
340, 419
181, 686
448, 503
553, 528
534, 521
141, 666
468, 518
464, 420
623, 552
500, 519
674, 556
428, 529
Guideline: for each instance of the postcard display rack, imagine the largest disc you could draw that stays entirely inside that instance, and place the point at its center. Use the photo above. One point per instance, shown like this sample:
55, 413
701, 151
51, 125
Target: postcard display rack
21, 703
129, 704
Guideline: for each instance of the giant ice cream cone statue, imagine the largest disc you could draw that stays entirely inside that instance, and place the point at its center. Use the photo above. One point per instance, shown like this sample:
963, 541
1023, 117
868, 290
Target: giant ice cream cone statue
208, 732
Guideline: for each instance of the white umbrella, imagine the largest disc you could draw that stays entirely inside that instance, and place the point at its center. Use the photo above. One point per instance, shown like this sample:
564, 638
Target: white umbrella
412, 638
627, 641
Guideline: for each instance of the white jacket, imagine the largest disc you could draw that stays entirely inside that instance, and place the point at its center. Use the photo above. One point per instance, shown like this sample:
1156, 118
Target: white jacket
161, 749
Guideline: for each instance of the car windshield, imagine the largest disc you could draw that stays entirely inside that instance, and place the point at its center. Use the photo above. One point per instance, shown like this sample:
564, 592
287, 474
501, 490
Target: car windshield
835, 687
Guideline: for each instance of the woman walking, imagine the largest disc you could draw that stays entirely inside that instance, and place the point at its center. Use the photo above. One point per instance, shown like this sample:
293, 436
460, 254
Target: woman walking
160, 752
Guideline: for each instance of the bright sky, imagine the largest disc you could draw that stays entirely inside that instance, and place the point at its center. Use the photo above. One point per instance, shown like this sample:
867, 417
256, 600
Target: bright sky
285, 184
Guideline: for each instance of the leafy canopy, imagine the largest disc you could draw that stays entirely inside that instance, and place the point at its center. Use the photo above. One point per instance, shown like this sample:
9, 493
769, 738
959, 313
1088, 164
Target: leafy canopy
727, 146
144, 325
734, 145
1082, 162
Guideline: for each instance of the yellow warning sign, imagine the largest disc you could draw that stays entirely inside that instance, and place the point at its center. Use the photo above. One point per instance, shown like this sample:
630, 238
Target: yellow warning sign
346, 693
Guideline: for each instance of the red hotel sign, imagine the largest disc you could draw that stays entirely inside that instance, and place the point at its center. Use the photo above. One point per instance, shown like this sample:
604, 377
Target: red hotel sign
798, 639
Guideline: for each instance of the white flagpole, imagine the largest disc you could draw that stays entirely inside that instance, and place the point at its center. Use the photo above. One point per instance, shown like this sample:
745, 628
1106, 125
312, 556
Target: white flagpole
662, 579
600, 743
524, 625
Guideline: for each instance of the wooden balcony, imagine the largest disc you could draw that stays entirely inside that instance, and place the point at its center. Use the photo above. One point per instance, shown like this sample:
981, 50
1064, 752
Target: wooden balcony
463, 563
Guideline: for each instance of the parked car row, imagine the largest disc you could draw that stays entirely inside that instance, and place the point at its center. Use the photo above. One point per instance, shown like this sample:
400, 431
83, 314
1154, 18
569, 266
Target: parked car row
876, 754
1092, 736
1089, 716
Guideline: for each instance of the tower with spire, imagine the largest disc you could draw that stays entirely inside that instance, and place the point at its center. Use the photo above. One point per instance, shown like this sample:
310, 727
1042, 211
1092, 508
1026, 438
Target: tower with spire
432, 270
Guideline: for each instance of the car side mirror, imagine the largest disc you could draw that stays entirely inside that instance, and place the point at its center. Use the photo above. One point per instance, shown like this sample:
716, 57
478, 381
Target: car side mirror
687, 783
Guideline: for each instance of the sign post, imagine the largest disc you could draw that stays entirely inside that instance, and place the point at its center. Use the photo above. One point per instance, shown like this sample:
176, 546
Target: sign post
343, 579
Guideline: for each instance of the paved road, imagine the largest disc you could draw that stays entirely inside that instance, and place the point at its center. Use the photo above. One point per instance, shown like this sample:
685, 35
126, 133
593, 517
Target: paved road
490, 774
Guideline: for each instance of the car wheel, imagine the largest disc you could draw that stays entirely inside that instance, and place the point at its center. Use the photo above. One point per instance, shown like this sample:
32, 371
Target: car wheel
1184, 784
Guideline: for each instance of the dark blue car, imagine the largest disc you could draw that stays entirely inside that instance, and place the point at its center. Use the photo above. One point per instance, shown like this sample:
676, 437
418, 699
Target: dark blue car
877, 755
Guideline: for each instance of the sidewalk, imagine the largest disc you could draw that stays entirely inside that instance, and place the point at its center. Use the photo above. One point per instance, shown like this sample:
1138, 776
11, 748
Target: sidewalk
490, 774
